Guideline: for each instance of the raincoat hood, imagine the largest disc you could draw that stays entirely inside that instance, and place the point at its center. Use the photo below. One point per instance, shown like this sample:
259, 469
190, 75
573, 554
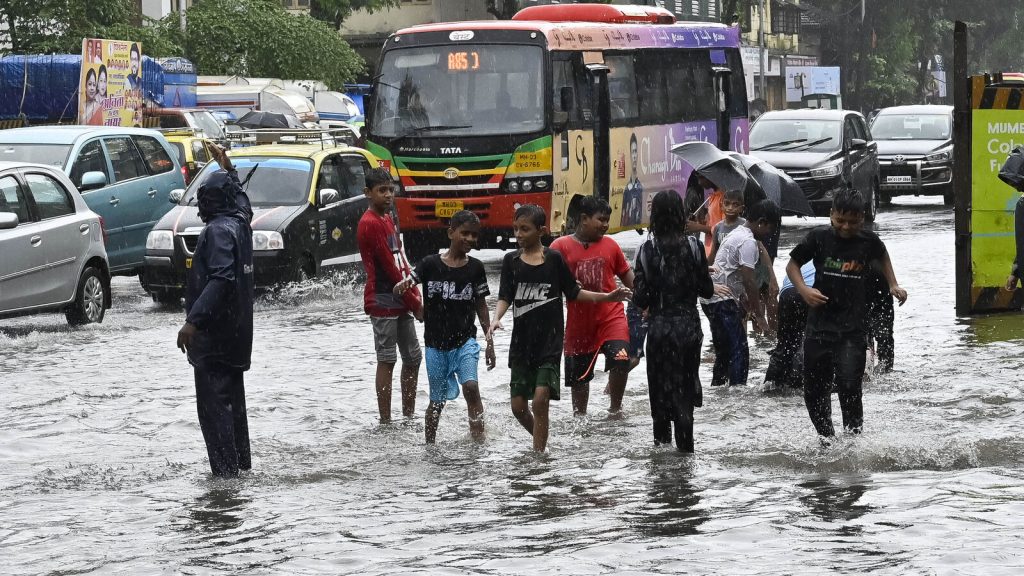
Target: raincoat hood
222, 195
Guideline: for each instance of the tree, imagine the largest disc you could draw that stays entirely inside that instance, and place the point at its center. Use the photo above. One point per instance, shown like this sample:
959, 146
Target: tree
55, 26
232, 37
502, 9
335, 12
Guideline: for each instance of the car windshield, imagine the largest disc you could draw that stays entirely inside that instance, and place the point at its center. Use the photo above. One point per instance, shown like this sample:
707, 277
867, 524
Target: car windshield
276, 182
796, 135
180, 149
51, 154
911, 127
207, 123
469, 89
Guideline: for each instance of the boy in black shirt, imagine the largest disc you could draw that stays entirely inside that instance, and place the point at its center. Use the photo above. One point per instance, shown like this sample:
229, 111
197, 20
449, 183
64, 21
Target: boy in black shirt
533, 280
454, 287
834, 341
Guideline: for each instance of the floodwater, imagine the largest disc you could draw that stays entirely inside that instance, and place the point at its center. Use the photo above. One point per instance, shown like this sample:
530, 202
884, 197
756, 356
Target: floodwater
103, 468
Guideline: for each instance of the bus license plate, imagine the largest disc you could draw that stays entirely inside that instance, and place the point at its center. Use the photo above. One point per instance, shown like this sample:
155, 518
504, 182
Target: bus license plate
188, 263
447, 208
898, 179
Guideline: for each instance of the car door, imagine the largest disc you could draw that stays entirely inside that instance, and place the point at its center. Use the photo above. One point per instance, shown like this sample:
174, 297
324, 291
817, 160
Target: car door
129, 195
104, 201
857, 159
24, 260
345, 173
164, 176
870, 167
65, 235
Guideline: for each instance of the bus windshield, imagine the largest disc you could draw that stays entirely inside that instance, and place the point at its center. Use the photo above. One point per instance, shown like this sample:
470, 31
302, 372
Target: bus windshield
459, 90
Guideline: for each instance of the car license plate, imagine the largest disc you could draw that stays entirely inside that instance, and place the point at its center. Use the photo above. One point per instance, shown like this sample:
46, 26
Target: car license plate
447, 208
188, 263
899, 179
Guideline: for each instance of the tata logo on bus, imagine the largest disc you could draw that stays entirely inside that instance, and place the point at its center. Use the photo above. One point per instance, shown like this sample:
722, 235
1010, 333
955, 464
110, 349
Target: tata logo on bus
451, 173
455, 150
461, 35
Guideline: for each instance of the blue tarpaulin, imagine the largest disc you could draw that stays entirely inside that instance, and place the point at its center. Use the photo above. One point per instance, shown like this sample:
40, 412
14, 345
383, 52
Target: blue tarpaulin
45, 88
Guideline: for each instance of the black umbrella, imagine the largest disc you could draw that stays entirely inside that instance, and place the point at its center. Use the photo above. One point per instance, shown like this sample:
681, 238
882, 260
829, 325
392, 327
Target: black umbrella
778, 186
260, 119
722, 169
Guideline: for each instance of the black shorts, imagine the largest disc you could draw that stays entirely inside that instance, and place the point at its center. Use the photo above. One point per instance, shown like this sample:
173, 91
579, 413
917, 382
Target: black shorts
579, 368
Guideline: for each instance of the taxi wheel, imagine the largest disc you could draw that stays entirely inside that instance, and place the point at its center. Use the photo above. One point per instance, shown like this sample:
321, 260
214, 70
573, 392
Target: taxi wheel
304, 270
168, 297
92, 293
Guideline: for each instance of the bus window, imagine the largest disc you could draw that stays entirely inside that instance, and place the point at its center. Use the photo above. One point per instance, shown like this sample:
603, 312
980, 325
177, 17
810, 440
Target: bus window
622, 89
691, 84
738, 104
568, 71
652, 85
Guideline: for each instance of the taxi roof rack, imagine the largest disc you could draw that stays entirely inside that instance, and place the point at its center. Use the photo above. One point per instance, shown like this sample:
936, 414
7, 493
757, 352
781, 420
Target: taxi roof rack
326, 137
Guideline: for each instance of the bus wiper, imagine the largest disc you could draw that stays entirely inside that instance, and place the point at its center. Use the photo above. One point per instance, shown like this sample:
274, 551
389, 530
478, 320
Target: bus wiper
809, 144
440, 127
775, 145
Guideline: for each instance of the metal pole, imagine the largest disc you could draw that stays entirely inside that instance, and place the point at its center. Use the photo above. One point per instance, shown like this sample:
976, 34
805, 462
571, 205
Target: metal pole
763, 50
962, 169
181, 14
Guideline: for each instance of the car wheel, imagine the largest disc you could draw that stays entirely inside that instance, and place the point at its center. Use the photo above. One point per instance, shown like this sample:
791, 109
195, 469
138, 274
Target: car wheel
304, 270
884, 199
871, 208
88, 305
167, 297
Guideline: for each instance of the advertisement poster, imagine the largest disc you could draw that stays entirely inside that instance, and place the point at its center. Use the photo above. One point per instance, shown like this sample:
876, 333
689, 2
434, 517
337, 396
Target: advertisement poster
804, 80
110, 92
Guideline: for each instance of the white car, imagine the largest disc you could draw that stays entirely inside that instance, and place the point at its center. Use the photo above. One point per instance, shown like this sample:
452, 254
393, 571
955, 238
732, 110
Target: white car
54, 257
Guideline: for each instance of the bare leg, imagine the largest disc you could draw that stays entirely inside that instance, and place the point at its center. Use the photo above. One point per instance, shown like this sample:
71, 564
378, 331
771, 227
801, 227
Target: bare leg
540, 418
521, 410
617, 388
475, 407
431, 420
410, 373
580, 398
385, 371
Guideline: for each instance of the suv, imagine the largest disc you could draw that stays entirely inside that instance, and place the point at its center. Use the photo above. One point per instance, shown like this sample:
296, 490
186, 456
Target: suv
307, 201
195, 119
52, 246
823, 150
915, 151
124, 174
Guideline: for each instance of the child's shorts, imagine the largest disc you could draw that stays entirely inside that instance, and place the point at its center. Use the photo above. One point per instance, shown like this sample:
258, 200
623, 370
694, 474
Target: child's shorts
526, 380
399, 331
638, 327
579, 368
448, 369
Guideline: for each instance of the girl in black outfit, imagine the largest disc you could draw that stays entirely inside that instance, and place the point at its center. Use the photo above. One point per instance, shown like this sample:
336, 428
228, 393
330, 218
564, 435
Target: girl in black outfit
671, 272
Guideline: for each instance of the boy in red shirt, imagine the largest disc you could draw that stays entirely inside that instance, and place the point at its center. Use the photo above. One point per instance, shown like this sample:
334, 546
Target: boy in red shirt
596, 261
392, 316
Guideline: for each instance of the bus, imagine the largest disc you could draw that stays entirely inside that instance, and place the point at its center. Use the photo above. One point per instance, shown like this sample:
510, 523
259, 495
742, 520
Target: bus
561, 102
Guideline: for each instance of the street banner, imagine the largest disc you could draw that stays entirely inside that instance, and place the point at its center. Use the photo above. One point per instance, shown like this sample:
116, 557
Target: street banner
110, 92
806, 80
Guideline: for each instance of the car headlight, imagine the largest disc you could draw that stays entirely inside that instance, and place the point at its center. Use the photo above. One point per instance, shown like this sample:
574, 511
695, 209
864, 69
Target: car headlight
264, 240
160, 240
941, 156
828, 170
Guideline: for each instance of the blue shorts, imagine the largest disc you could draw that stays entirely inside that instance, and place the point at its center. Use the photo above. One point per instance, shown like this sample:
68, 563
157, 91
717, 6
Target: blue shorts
447, 369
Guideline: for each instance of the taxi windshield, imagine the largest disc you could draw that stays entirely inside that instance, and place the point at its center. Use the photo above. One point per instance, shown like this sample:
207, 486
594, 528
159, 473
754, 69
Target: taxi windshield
275, 182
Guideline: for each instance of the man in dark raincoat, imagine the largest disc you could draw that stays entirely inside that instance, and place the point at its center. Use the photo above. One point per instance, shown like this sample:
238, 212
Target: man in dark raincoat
217, 334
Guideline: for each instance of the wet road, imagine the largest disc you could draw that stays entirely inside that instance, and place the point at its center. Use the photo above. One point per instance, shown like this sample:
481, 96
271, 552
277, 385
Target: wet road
103, 470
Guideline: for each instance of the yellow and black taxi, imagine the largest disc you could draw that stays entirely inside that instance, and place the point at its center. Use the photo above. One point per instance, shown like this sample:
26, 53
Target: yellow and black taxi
194, 150
307, 201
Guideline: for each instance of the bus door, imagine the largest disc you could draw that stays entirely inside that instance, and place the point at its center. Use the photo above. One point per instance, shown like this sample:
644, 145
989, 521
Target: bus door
577, 81
723, 104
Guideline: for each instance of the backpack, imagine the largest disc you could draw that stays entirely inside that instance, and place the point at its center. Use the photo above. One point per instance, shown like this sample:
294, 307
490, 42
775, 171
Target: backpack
1012, 171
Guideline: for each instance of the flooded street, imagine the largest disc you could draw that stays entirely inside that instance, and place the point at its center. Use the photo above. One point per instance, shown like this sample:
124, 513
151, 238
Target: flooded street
103, 467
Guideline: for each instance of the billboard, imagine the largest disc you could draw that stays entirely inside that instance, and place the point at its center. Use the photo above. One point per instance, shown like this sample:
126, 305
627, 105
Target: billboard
805, 80
110, 89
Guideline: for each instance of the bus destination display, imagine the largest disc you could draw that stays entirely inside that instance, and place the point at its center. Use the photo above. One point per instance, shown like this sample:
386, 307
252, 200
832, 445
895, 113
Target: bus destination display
463, 61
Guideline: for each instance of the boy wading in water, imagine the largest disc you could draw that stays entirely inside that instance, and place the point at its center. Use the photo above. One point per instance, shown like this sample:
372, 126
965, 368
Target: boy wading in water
834, 341
391, 316
455, 288
533, 281
591, 329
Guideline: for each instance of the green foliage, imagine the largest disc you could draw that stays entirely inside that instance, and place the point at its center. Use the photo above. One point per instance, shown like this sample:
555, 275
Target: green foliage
58, 26
259, 38
334, 12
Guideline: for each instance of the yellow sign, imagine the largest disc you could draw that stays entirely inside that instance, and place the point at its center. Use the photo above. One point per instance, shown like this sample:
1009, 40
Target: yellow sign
110, 92
447, 208
336, 233
995, 134
188, 262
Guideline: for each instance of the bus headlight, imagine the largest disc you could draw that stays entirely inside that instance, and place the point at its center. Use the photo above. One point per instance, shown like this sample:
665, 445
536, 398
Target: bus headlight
513, 186
160, 240
265, 240
527, 186
541, 184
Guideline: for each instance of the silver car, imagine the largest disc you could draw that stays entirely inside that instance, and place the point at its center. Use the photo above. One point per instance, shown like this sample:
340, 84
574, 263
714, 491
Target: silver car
54, 258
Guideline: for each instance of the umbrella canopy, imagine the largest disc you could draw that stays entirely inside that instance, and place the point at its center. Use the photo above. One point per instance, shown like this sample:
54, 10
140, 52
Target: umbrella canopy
722, 169
778, 186
259, 119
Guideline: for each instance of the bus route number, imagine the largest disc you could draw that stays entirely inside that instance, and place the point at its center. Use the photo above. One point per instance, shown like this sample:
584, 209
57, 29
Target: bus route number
462, 61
